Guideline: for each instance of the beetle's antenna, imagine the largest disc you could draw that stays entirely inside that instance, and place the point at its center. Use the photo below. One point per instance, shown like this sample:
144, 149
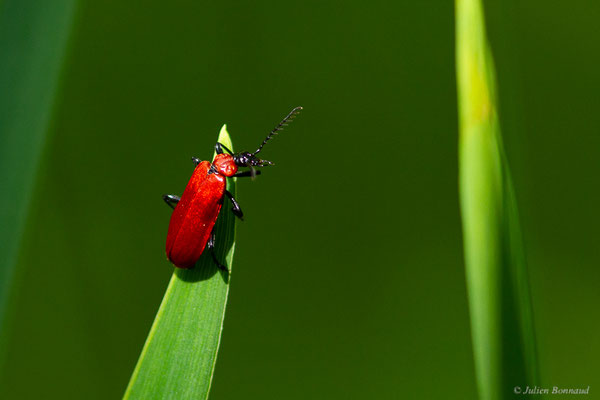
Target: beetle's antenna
288, 118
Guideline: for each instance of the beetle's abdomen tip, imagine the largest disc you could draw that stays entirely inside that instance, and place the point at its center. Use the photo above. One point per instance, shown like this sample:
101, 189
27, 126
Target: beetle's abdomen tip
181, 264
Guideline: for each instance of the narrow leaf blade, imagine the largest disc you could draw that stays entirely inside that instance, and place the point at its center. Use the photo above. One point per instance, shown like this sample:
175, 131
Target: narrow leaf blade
180, 353
499, 300
33, 42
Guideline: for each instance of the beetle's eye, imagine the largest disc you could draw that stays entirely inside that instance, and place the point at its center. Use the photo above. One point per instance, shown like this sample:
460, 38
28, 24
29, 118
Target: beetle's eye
241, 159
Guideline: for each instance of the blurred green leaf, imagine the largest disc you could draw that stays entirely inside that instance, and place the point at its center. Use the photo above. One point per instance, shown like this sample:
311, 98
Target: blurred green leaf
179, 356
33, 39
500, 305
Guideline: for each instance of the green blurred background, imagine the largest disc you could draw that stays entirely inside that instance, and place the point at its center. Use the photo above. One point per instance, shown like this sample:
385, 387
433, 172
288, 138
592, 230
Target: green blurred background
349, 279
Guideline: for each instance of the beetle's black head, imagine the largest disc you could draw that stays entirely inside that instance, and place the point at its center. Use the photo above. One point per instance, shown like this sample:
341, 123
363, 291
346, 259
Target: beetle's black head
247, 159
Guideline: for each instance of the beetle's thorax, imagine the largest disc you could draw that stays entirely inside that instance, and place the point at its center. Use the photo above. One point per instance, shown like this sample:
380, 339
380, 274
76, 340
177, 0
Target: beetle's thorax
224, 164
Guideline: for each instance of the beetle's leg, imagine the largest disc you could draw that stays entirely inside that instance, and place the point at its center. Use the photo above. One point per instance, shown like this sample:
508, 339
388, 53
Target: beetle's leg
246, 174
219, 147
171, 199
196, 161
236, 207
211, 247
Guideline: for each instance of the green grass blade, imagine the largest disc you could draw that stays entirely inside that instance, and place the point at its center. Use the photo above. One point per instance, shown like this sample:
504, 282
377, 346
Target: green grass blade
33, 39
500, 306
180, 353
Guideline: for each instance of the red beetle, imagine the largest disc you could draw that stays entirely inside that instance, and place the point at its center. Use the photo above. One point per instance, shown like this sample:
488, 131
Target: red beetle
195, 213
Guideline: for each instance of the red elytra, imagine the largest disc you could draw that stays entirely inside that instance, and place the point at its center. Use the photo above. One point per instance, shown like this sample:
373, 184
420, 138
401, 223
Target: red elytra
195, 213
